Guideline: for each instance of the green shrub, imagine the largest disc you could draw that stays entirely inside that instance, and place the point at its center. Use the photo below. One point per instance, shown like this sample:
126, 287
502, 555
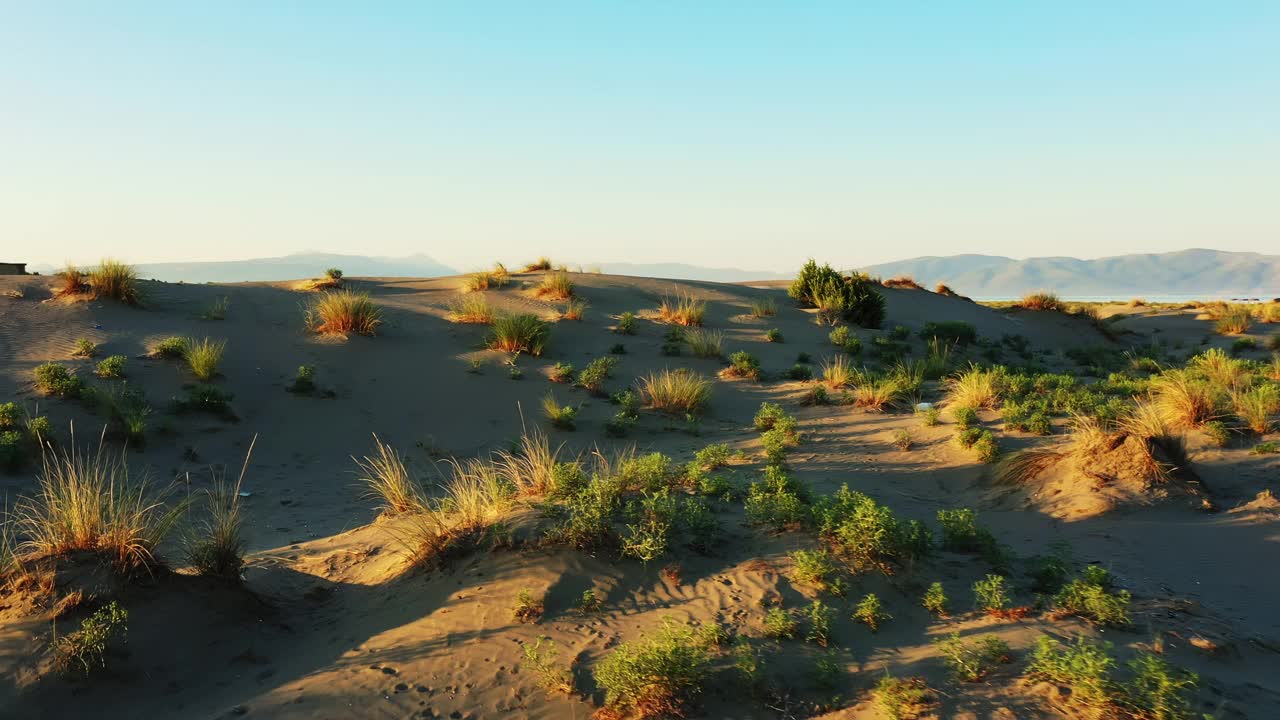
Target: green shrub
626, 324
990, 594
901, 699
85, 348
819, 618
973, 661
799, 372
1090, 597
986, 447
648, 536
658, 674
527, 609
870, 613
86, 649
763, 307
562, 417
852, 297
935, 600
1084, 667
205, 398
749, 665
814, 568
777, 501
590, 602
593, 376
57, 380
203, 357
950, 331
867, 534
962, 533
13, 449
170, 348
742, 364
1158, 690
111, 367
778, 624
828, 671
540, 657
902, 439
965, 417
773, 335
930, 416
1265, 448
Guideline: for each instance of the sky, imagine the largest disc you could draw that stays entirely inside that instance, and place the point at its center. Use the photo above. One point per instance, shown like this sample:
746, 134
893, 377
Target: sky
728, 134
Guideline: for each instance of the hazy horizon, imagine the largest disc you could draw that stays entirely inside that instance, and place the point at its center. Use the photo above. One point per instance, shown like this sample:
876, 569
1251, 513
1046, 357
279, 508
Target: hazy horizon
715, 135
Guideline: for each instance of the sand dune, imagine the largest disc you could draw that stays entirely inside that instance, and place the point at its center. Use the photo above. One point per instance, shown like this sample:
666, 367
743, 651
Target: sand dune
331, 624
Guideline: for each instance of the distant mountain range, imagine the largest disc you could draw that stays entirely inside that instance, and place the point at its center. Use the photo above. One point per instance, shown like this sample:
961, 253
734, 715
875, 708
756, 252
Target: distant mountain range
1203, 273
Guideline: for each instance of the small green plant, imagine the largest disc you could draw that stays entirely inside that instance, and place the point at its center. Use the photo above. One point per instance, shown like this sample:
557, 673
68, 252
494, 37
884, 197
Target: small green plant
742, 364
562, 417
930, 416
218, 309
870, 613
57, 380
658, 674
110, 367
304, 381
815, 568
828, 670
973, 661
1158, 690
778, 624
769, 415
626, 324
527, 608
561, 372
216, 546
935, 600
86, 649
541, 659
901, 698
1265, 448
902, 439
342, 312
590, 602
749, 665
170, 348
965, 417
773, 335
704, 343
85, 348
819, 617
1083, 666
203, 357
1091, 597
990, 594
115, 280
675, 391
594, 375
799, 371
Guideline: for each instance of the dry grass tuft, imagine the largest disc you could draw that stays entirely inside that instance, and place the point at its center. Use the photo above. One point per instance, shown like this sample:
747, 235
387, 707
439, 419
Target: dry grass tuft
682, 309
1041, 301
1269, 312
388, 479
217, 547
1020, 468
86, 502
574, 309
115, 280
679, 390
1231, 319
1221, 369
705, 343
974, 388
877, 393
486, 279
1255, 407
839, 372
72, 281
763, 307
555, 286
203, 357
529, 468
1184, 400
542, 263
902, 281
473, 309
343, 311
519, 333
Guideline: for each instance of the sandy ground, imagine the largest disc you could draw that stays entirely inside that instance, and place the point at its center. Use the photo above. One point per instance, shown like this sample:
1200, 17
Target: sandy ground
329, 626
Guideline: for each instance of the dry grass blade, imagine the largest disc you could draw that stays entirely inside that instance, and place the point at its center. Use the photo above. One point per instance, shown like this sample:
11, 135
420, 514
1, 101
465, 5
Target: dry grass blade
387, 478
682, 309
1024, 466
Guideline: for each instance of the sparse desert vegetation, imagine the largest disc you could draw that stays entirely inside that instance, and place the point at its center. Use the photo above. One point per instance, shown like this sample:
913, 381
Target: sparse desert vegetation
343, 311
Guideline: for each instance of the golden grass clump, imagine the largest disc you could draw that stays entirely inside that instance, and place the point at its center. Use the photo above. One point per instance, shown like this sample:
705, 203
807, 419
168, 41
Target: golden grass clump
519, 333
342, 312
542, 263
555, 286
86, 502
203, 357
764, 307
486, 279
839, 372
705, 343
475, 495
529, 468
73, 281
387, 479
902, 281
1231, 319
679, 390
1184, 400
682, 309
974, 388
1269, 312
877, 393
1041, 301
574, 309
115, 280
1255, 407
473, 309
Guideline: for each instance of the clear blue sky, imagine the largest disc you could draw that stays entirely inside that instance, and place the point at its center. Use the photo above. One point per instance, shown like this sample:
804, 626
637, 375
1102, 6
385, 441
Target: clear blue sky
716, 133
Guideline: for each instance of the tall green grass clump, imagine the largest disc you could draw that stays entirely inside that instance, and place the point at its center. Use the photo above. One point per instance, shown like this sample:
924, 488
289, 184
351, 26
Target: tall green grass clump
115, 280
203, 357
519, 333
343, 311
681, 391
